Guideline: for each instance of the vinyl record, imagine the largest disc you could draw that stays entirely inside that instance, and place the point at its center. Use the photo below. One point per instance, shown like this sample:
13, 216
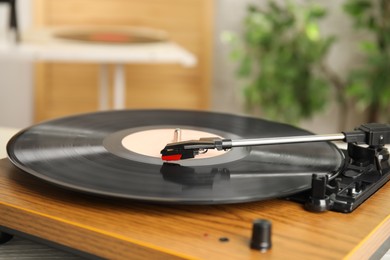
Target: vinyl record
103, 153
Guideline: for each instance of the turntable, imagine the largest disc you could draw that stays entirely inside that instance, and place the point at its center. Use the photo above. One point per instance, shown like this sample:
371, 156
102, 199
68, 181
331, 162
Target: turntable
96, 185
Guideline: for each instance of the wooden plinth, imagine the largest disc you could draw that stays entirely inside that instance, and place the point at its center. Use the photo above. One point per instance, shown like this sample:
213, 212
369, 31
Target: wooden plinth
123, 229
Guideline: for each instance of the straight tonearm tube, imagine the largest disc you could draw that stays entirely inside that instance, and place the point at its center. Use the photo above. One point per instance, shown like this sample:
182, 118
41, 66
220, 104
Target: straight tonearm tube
373, 134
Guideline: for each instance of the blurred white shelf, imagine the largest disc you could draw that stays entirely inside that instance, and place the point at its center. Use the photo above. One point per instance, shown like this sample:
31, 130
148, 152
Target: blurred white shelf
42, 45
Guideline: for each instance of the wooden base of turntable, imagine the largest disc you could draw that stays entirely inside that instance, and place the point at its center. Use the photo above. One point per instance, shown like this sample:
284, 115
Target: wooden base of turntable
124, 229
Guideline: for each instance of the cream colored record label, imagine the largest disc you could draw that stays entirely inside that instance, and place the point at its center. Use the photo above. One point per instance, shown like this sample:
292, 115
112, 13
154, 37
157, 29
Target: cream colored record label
151, 142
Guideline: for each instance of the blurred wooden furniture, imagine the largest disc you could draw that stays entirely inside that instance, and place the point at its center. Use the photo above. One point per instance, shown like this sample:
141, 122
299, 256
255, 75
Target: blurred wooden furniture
68, 88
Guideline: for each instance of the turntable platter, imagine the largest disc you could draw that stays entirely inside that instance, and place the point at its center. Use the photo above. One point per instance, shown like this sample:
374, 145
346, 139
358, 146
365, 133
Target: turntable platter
89, 153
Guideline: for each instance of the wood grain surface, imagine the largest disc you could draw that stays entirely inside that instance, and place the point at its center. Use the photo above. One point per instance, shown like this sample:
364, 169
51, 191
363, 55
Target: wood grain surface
124, 229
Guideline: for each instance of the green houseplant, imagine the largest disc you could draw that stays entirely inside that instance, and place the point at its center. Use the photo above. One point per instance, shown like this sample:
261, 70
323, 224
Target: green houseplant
369, 83
280, 60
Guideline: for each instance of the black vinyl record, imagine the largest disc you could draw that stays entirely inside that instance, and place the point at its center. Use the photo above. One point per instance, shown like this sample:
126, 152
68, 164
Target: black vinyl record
85, 153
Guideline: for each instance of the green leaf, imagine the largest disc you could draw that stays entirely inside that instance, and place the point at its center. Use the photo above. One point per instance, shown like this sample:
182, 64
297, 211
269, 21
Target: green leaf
228, 37
245, 67
357, 7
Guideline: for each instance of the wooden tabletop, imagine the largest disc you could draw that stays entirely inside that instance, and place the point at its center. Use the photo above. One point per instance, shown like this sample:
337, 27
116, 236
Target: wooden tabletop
124, 229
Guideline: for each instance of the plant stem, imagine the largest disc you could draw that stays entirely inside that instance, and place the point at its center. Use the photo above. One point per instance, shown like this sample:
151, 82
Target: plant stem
339, 86
373, 113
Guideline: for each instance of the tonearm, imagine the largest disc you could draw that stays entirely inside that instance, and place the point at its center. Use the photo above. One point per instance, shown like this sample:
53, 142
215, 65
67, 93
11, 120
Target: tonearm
373, 135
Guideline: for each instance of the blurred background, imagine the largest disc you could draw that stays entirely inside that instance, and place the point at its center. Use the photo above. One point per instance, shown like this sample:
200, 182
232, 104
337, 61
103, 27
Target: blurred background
321, 65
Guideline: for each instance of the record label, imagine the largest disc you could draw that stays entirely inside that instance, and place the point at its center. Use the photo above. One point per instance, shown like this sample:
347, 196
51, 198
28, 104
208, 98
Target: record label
150, 142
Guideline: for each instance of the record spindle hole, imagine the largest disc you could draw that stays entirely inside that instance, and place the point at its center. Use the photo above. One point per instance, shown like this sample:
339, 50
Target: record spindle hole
151, 142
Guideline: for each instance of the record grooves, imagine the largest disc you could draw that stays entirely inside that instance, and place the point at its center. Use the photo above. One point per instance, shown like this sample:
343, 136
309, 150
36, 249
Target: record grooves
85, 153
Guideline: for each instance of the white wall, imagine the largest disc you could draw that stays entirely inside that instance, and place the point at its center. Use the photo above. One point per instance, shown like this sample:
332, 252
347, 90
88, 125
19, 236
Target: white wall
16, 89
226, 93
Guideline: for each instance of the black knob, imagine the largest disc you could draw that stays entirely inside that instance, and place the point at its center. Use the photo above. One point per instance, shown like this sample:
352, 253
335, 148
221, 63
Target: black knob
261, 235
318, 201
